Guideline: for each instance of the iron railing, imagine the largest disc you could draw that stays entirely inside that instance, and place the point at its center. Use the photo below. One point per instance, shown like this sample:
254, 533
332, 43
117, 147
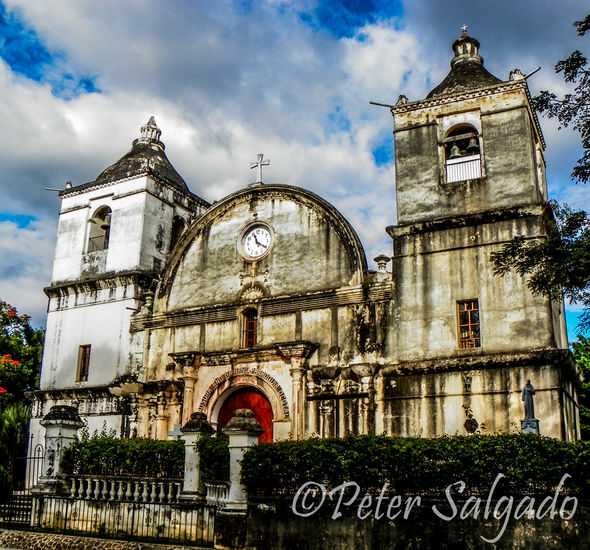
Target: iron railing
463, 168
177, 523
15, 508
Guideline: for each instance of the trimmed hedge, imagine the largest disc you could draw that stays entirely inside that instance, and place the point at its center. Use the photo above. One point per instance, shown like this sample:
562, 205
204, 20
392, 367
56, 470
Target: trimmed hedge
138, 457
142, 457
531, 464
214, 453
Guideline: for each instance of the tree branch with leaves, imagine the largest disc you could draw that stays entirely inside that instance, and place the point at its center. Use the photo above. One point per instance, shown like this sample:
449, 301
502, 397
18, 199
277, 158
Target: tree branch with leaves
561, 262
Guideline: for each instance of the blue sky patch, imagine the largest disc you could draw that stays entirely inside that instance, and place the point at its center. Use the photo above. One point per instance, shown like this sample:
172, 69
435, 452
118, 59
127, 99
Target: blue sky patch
25, 54
572, 318
383, 152
21, 220
343, 17
337, 122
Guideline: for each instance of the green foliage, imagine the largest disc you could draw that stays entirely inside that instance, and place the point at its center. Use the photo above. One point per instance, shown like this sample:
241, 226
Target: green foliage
573, 109
214, 452
414, 465
5, 484
582, 356
20, 354
103, 454
561, 261
14, 422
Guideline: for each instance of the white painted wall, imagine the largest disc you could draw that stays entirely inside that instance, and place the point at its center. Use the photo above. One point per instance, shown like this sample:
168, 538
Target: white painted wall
104, 324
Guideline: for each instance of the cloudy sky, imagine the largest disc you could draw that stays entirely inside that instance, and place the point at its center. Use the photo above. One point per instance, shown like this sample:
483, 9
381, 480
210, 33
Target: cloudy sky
226, 80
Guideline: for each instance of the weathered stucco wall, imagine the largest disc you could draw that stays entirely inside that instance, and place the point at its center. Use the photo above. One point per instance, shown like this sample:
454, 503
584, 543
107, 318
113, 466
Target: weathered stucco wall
434, 268
507, 139
310, 251
141, 224
273, 526
427, 404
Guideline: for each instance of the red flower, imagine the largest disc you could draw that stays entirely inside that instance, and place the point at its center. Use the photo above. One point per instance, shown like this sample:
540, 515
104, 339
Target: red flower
11, 313
2, 390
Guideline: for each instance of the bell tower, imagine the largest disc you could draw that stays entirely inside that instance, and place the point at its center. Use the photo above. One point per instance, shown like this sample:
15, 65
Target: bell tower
473, 144
114, 235
470, 176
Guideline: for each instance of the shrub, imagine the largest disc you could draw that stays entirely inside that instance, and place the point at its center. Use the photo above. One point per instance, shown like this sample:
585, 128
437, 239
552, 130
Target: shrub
138, 457
412, 465
214, 453
5, 485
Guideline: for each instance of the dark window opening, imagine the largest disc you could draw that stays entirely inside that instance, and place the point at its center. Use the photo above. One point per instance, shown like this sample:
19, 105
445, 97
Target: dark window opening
177, 231
100, 230
250, 328
83, 363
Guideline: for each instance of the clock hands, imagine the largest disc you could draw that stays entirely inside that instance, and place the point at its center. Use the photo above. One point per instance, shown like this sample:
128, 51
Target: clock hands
259, 243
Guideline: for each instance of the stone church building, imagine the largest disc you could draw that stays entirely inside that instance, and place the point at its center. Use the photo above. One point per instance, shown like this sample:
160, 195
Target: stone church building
162, 304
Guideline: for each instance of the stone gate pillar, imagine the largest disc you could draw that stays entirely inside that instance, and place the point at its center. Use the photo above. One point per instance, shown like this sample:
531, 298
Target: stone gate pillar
243, 431
61, 424
192, 431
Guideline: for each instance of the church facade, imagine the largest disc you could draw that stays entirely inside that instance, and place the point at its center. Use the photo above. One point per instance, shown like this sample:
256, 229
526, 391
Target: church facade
162, 305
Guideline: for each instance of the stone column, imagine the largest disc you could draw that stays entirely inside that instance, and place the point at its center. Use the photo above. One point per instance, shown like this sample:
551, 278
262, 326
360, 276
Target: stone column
189, 362
366, 374
297, 353
61, 424
192, 431
297, 371
243, 431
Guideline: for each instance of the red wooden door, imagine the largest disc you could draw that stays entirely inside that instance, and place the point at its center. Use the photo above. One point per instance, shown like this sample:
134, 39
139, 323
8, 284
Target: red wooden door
256, 401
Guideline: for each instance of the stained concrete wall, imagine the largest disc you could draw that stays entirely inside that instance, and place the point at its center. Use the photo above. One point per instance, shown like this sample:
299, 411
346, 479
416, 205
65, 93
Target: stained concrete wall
310, 251
503, 119
433, 269
141, 224
273, 526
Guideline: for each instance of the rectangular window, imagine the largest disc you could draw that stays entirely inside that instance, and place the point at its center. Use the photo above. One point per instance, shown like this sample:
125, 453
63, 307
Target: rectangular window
83, 363
468, 323
250, 328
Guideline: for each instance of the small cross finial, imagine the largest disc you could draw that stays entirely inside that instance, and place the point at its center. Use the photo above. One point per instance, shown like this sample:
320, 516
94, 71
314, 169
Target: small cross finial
175, 434
259, 164
464, 28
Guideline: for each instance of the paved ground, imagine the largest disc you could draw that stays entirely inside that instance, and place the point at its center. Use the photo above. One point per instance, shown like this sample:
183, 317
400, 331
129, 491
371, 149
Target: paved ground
24, 540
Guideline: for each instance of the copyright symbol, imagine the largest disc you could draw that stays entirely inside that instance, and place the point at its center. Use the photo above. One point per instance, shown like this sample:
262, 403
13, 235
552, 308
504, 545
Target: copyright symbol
305, 502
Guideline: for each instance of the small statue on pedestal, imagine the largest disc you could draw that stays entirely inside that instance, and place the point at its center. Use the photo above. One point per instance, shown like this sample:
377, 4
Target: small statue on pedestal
530, 424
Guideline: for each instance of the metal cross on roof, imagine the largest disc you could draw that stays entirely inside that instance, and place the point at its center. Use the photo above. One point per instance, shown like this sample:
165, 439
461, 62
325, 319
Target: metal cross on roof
464, 28
259, 164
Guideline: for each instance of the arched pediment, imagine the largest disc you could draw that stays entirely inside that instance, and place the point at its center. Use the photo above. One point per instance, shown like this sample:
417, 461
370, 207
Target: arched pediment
304, 245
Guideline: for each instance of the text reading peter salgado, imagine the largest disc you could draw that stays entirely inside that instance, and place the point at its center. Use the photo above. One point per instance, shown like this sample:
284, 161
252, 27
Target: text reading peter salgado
311, 496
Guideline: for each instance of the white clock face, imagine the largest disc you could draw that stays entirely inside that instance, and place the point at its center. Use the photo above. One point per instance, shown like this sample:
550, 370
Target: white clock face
257, 241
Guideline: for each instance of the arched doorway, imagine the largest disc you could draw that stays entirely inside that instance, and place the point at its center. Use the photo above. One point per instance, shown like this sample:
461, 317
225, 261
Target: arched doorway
248, 398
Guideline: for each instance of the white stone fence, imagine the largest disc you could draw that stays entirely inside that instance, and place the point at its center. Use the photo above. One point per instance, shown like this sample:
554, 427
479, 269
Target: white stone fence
145, 490
62, 423
217, 493
183, 509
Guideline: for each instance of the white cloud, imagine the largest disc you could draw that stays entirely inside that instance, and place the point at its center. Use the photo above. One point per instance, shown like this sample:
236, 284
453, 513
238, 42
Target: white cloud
226, 83
27, 257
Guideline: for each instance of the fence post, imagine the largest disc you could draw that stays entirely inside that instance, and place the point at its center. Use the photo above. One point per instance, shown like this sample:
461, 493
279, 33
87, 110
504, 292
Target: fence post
61, 423
192, 431
243, 431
